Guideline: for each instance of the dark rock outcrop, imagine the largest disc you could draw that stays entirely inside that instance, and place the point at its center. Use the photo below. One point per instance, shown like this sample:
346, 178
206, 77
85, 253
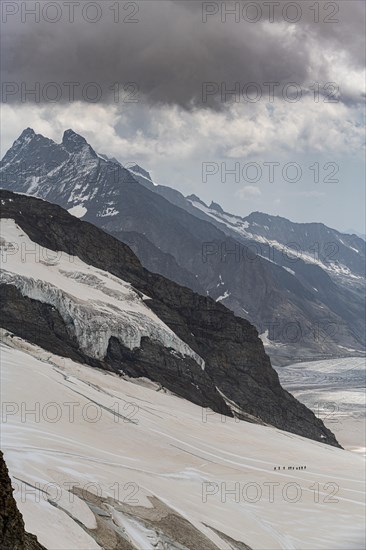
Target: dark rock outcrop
12, 532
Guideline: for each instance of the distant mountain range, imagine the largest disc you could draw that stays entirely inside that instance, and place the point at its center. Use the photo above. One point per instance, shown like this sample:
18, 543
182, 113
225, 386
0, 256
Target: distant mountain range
301, 285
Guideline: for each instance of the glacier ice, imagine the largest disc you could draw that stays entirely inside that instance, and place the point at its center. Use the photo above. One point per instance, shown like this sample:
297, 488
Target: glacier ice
94, 304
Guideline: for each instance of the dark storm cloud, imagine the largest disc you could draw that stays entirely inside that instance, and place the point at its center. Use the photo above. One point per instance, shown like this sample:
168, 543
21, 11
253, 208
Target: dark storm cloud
170, 53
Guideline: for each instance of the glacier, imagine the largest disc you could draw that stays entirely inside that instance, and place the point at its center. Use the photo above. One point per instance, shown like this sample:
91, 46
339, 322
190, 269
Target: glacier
219, 476
94, 304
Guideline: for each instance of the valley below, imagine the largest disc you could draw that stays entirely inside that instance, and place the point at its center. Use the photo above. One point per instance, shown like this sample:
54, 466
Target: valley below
334, 390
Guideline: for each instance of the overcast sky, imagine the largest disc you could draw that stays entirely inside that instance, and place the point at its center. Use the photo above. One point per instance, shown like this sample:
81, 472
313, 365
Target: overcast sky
289, 140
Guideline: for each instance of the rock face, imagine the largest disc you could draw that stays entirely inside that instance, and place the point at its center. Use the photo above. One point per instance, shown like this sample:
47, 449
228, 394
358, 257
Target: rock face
12, 532
237, 375
157, 261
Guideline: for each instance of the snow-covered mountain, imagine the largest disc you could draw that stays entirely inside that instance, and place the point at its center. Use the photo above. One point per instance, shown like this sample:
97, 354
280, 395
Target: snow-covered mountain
278, 239
76, 291
302, 304
286, 243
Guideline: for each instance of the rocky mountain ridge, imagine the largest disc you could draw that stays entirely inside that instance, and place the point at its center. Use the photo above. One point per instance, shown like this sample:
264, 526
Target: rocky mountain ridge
237, 377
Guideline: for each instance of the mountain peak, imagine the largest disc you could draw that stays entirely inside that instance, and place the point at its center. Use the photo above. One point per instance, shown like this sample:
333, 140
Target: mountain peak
73, 141
28, 132
136, 169
26, 136
217, 207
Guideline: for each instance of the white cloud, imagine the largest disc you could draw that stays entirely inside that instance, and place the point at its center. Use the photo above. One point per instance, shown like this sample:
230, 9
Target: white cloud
173, 134
249, 191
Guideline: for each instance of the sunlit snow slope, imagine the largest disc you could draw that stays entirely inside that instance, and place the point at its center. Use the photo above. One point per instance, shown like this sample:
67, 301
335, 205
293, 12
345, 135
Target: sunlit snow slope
162, 470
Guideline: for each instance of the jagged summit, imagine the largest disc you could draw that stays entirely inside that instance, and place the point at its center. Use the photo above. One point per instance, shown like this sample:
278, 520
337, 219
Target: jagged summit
28, 132
25, 137
73, 141
217, 207
70, 134
194, 198
137, 169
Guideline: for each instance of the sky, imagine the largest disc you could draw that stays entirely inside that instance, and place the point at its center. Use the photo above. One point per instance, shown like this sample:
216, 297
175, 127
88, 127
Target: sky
254, 105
